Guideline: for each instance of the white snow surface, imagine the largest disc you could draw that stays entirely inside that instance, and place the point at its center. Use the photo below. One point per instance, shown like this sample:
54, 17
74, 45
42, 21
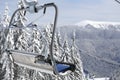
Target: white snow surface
99, 79
98, 24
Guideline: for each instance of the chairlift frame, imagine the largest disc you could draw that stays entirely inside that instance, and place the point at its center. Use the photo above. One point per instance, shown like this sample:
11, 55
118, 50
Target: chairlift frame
52, 62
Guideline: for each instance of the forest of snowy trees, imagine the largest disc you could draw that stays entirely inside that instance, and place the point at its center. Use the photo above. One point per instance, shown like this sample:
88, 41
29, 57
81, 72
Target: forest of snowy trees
33, 39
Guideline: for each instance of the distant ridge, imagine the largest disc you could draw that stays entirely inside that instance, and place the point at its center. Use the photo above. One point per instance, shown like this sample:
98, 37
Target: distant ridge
99, 24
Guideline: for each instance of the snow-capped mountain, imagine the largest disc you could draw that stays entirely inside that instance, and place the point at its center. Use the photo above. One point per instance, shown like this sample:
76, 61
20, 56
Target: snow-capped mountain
93, 30
99, 24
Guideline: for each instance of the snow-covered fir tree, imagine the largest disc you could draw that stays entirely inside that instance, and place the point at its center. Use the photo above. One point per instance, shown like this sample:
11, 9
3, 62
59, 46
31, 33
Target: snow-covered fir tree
20, 17
57, 52
66, 56
22, 42
48, 32
35, 42
7, 65
6, 18
10, 40
78, 74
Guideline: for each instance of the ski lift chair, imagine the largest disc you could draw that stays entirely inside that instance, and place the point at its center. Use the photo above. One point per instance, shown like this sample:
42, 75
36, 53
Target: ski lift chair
36, 61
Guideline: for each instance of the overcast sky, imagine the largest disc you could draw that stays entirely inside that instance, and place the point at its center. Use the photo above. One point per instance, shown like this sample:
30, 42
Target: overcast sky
73, 11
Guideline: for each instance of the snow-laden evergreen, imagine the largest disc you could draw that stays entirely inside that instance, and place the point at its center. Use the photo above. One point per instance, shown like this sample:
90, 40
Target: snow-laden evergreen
6, 18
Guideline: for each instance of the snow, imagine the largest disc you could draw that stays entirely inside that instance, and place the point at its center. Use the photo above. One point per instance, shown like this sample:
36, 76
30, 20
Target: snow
98, 24
100, 78
65, 73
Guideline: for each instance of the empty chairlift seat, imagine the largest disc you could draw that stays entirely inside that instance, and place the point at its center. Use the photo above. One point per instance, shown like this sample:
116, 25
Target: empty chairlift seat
37, 62
27, 59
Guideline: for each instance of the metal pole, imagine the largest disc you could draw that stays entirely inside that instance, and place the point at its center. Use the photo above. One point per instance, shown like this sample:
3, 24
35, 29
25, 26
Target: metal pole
53, 35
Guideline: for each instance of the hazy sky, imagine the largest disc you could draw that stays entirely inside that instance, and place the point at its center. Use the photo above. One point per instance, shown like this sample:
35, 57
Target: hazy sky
73, 11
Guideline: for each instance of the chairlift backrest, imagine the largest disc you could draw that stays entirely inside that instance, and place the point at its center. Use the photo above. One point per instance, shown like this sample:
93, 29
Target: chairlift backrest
37, 62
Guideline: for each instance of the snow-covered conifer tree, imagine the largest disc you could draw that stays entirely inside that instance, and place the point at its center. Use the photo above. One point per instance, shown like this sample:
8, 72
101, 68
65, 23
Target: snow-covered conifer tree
35, 42
66, 56
7, 67
20, 18
22, 42
44, 45
48, 32
6, 17
59, 40
10, 39
78, 74
57, 48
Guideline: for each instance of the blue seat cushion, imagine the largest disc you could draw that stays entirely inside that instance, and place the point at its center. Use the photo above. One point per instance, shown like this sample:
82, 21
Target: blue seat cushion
63, 67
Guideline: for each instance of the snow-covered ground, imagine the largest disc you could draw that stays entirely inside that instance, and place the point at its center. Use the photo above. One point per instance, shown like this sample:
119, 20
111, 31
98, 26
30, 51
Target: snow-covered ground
100, 78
